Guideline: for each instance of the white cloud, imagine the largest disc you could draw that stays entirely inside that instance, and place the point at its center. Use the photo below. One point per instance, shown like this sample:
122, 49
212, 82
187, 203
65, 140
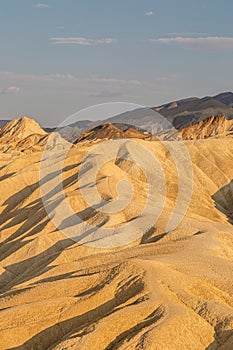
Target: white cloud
166, 78
214, 42
81, 41
29, 81
107, 94
10, 90
61, 77
97, 85
186, 34
149, 13
107, 80
11, 76
41, 6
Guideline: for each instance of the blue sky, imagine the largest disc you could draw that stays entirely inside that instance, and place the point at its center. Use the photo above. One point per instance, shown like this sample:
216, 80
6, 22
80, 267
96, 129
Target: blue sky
59, 56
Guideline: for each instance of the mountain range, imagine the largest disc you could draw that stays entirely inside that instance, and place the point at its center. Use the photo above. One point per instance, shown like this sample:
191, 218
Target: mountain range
178, 114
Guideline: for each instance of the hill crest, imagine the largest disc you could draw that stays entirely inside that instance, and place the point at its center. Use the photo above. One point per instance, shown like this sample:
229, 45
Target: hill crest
21, 128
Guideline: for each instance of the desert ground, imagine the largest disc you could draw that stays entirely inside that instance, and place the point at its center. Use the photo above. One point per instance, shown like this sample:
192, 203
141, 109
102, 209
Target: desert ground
163, 291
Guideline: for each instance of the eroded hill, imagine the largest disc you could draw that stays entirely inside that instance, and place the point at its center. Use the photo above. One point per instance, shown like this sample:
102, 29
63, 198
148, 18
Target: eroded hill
165, 290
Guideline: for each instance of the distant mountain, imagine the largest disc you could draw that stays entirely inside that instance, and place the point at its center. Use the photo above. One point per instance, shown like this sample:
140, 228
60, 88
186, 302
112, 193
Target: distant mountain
175, 104
144, 119
3, 122
225, 97
212, 127
193, 111
73, 131
157, 120
113, 132
178, 114
206, 103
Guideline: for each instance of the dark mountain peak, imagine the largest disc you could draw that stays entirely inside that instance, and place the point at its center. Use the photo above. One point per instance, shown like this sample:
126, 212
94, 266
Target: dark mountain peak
225, 97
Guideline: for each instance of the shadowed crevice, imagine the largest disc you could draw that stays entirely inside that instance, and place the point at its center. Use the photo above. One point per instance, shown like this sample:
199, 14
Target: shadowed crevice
224, 201
223, 341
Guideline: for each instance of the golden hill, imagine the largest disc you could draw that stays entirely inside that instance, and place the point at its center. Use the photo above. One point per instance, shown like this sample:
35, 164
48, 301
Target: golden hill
111, 131
20, 128
164, 291
214, 126
24, 135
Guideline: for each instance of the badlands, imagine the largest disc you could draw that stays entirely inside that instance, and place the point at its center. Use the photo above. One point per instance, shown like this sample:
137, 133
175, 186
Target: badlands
163, 290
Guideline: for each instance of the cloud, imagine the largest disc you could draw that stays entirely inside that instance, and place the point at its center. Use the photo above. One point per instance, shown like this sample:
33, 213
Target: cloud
97, 85
186, 34
67, 80
166, 78
149, 13
107, 80
210, 42
24, 78
107, 94
82, 41
58, 76
41, 6
10, 90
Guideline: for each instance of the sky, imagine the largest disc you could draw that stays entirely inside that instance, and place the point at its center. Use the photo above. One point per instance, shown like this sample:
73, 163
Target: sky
60, 56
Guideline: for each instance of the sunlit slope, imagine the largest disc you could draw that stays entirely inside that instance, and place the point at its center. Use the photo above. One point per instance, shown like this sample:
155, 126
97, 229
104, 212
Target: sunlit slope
166, 290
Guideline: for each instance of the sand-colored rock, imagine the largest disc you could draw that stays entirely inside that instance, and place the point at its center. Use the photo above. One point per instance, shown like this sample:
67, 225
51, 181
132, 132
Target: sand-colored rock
214, 126
24, 135
166, 291
21, 128
111, 131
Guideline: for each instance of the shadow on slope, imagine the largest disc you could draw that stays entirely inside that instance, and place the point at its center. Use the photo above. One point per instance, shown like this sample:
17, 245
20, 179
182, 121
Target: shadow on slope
224, 201
25, 270
77, 326
223, 341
